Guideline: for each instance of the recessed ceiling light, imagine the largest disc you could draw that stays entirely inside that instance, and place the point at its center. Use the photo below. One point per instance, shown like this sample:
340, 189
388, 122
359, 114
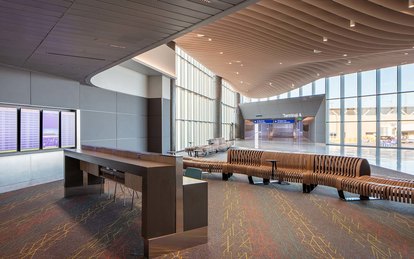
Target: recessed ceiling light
280, 63
345, 55
241, 65
200, 35
317, 74
317, 51
351, 23
205, 1
293, 85
237, 73
221, 53
410, 3
230, 63
349, 62
241, 82
209, 39
406, 53
325, 39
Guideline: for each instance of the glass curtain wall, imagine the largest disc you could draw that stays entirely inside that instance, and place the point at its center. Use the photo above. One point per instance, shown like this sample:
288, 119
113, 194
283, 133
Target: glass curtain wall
195, 102
228, 111
366, 109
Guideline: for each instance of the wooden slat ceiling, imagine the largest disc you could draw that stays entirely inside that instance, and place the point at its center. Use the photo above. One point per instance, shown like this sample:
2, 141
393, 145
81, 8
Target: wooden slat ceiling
274, 46
78, 38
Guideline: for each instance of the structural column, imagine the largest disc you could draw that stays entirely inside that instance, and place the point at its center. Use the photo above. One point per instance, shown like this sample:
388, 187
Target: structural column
239, 119
173, 104
217, 106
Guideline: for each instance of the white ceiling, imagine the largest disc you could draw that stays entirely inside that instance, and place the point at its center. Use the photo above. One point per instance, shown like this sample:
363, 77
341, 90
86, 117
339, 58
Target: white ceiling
78, 38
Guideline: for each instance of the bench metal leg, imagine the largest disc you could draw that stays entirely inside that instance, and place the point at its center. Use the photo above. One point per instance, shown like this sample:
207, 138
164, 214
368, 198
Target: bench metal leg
225, 176
360, 198
266, 181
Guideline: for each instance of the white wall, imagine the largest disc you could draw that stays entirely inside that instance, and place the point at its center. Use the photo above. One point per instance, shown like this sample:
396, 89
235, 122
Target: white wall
159, 87
123, 80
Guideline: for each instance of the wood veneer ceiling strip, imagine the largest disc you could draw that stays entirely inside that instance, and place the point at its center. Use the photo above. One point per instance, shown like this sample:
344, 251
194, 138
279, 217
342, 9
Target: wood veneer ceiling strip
276, 40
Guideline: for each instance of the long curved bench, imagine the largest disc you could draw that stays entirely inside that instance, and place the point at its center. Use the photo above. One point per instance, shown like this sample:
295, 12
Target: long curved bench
351, 174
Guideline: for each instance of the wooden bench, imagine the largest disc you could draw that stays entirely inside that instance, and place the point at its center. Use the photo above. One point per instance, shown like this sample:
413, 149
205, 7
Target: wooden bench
351, 174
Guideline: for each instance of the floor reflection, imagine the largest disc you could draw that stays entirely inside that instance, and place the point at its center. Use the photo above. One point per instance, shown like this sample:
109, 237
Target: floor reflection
391, 158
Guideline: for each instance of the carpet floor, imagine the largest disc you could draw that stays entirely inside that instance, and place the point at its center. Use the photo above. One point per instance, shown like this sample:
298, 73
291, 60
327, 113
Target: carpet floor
245, 221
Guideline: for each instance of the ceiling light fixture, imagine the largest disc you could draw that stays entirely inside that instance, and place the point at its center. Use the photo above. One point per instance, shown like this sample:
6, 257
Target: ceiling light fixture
241, 65
241, 82
325, 39
345, 55
230, 63
317, 51
351, 23
280, 63
200, 35
117, 46
206, 1
317, 74
410, 3
349, 61
209, 39
406, 53
237, 73
221, 53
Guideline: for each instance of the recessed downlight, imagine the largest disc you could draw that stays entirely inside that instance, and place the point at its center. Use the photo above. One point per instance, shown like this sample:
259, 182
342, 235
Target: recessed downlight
241, 82
410, 3
317, 51
351, 23
209, 39
280, 63
200, 35
230, 63
221, 52
345, 55
325, 39
406, 53
241, 65
237, 73
317, 74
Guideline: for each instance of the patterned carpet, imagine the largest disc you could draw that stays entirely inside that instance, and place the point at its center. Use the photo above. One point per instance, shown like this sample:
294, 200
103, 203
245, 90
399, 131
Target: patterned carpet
245, 221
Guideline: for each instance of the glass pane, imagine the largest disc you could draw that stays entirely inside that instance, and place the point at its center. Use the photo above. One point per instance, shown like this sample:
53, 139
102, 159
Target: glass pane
351, 111
388, 137
320, 86
283, 96
294, 93
368, 82
368, 108
350, 85
274, 97
368, 133
334, 87
307, 90
351, 133
334, 132
334, 110
407, 106
388, 80
407, 134
388, 107
407, 77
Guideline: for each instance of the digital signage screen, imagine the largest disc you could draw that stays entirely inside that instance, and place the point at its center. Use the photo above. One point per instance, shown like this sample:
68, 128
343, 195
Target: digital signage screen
68, 129
8, 129
29, 129
50, 129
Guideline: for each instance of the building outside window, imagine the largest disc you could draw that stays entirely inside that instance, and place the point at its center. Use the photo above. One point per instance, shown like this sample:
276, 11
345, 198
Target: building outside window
228, 110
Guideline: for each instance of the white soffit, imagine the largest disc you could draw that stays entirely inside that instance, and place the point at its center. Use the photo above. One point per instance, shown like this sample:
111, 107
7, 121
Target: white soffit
161, 59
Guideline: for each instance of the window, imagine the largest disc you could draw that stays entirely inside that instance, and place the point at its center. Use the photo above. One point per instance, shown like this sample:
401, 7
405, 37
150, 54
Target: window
369, 82
407, 106
388, 80
334, 87
407, 78
320, 86
350, 85
334, 107
307, 90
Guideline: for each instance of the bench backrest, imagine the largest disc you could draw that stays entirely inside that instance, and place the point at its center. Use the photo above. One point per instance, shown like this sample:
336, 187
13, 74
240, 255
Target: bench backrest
244, 156
341, 165
285, 160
